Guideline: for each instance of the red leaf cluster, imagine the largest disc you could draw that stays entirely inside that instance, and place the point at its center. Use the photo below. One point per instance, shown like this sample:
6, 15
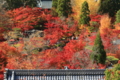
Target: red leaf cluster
58, 59
95, 18
25, 18
57, 29
6, 52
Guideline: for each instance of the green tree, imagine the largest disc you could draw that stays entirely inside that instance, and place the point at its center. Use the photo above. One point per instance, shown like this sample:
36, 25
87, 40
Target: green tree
98, 54
106, 6
64, 8
84, 17
12, 4
54, 3
54, 7
117, 17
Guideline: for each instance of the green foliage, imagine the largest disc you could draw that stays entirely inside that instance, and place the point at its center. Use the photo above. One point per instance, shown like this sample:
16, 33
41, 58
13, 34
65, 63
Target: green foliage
84, 17
117, 17
98, 54
93, 26
113, 74
112, 59
64, 8
54, 3
16, 29
54, 7
12, 4
88, 47
93, 23
91, 29
106, 7
36, 50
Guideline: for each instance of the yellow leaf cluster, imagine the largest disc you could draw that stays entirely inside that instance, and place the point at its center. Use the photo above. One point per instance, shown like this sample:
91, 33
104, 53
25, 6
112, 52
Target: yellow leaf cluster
105, 23
117, 26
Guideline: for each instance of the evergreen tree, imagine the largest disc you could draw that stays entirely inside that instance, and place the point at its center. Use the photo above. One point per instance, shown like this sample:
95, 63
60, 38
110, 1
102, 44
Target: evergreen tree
98, 55
54, 3
84, 17
54, 7
109, 6
64, 8
12, 4
117, 17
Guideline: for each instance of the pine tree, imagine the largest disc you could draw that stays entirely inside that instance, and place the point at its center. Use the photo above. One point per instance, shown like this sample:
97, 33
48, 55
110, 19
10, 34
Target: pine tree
12, 4
84, 17
64, 8
54, 7
98, 54
117, 17
106, 7
54, 3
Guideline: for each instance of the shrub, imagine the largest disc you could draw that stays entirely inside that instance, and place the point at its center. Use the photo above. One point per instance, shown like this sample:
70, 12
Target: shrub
112, 59
114, 73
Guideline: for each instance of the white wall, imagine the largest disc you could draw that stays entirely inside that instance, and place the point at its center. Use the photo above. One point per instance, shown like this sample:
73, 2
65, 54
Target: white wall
45, 4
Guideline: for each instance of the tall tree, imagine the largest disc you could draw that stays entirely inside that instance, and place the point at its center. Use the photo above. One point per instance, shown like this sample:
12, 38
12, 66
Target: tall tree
98, 54
54, 3
117, 17
54, 7
106, 7
84, 17
64, 8
12, 4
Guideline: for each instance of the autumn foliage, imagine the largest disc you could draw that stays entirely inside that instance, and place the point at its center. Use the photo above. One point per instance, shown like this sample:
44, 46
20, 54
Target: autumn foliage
57, 29
5, 23
25, 18
105, 19
6, 52
77, 5
63, 42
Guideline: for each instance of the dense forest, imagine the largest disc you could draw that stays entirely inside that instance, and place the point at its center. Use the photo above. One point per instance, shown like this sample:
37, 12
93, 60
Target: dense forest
80, 34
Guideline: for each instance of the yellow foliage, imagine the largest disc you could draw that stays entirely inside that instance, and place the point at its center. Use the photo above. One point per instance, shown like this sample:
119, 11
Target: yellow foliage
117, 26
82, 27
77, 4
105, 23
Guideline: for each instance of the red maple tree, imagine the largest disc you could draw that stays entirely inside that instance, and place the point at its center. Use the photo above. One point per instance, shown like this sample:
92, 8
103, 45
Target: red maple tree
25, 17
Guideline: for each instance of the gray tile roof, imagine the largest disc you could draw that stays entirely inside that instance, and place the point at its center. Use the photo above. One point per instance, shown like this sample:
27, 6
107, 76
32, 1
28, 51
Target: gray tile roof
55, 74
